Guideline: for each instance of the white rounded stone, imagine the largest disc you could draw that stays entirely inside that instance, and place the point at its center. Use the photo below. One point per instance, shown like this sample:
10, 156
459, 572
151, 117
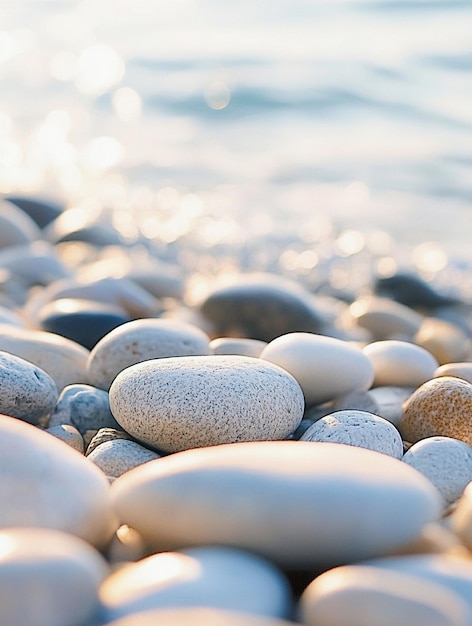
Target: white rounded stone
359, 595
357, 428
47, 485
197, 615
384, 318
64, 360
446, 462
400, 363
325, 368
118, 456
298, 503
389, 402
48, 578
69, 435
143, 340
462, 369
187, 402
218, 577
237, 345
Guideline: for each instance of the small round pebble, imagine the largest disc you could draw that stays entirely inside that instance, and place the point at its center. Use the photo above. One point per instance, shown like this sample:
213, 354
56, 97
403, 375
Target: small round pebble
48, 578
400, 363
143, 340
325, 367
237, 345
187, 402
446, 462
218, 577
441, 406
359, 595
357, 428
118, 456
69, 435
197, 615
28, 392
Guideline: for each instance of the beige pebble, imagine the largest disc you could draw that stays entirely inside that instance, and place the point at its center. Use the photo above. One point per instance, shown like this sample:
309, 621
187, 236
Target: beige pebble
385, 318
441, 406
69, 435
460, 370
400, 363
445, 341
237, 345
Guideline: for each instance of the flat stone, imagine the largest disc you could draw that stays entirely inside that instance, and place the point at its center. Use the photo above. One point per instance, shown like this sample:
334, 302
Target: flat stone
441, 406
46, 484
300, 504
85, 407
446, 462
357, 428
48, 578
28, 392
400, 363
64, 360
118, 456
459, 370
326, 368
444, 340
16, 227
197, 615
217, 577
186, 402
385, 318
359, 595
143, 340
69, 435
237, 345
261, 306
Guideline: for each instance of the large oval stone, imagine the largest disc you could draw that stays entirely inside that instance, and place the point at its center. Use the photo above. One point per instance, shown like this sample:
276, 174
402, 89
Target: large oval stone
302, 504
189, 402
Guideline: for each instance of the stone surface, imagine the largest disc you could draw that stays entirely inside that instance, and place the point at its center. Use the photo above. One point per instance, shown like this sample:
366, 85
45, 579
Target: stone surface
16, 227
33, 264
197, 615
359, 595
82, 321
27, 391
143, 340
217, 577
444, 340
48, 578
237, 345
47, 485
106, 434
357, 428
389, 401
42, 211
187, 402
261, 306
446, 462
459, 370
413, 291
69, 435
83, 406
64, 360
300, 504
385, 318
356, 400
400, 363
118, 456
441, 406
325, 368
8, 316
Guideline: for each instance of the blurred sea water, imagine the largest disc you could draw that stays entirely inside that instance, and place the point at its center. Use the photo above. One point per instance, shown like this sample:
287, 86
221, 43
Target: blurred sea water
296, 131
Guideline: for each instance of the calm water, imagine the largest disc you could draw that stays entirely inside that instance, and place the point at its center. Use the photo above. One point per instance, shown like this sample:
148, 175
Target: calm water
330, 127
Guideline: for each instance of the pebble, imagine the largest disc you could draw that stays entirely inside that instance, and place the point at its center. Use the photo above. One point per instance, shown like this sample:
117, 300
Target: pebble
118, 456
446, 462
389, 402
186, 402
69, 435
16, 227
384, 318
197, 615
45, 484
82, 321
218, 577
106, 434
300, 504
48, 578
325, 367
126, 546
412, 291
237, 345
357, 428
445, 341
261, 306
143, 340
42, 211
459, 370
359, 595
64, 360
28, 392
33, 264
400, 363
441, 406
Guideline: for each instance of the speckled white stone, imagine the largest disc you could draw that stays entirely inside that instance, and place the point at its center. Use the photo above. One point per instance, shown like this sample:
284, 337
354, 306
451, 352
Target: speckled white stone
47, 485
142, 340
27, 391
118, 456
48, 578
301, 504
197, 615
326, 368
400, 363
237, 345
461, 369
359, 595
63, 359
445, 461
461, 518
357, 428
188, 402
384, 318
69, 435
218, 577
389, 401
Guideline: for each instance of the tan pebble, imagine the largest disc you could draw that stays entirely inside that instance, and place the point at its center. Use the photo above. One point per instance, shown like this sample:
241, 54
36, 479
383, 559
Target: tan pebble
459, 370
441, 406
444, 340
69, 435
